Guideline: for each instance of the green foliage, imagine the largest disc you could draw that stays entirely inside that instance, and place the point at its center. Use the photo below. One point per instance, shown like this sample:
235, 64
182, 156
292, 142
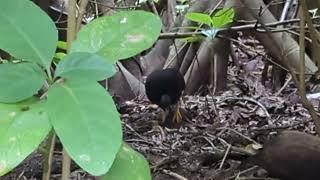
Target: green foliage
120, 36
58, 57
85, 65
62, 45
222, 18
19, 81
22, 128
27, 32
81, 112
217, 21
132, 163
200, 18
86, 120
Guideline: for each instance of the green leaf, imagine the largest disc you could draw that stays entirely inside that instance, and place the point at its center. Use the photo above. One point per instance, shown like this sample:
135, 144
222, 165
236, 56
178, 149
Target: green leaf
222, 17
19, 81
132, 163
86, 65
62, 45
23, 126
199, 17
58, 57
27, 32
87, 122
119, 36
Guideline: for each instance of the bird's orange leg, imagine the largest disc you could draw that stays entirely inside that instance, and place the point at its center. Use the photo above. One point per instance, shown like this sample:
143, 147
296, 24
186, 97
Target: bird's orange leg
177, 118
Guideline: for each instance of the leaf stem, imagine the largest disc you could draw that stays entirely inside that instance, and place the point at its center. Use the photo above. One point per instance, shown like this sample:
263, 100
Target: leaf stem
49, 75
48, 154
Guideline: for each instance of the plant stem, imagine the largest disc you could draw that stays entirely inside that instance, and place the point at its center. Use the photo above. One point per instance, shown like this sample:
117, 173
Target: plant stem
82, 10
66, 161
48, 154
72, 24
71, 34
49, 75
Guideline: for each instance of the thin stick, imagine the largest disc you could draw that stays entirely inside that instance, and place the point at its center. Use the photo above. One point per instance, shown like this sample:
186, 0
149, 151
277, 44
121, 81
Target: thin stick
173, 174
225, 157
71, 34
66, 161
48, 154
82, 10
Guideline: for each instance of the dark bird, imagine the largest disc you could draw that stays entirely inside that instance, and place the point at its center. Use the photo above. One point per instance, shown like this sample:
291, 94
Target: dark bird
164, 88
291, 155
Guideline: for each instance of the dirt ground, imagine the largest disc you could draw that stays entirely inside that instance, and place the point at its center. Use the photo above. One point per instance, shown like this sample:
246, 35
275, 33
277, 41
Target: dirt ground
211, 143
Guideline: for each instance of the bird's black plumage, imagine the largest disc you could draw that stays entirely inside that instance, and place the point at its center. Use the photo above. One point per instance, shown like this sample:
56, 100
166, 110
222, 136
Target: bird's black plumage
164, 87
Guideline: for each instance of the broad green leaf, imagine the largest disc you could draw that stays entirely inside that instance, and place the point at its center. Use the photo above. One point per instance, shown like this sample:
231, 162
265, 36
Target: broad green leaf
27, 32
23, 126
19, 81
119, 36
85, 65
87, 122
132, 163
222, 17
199, 17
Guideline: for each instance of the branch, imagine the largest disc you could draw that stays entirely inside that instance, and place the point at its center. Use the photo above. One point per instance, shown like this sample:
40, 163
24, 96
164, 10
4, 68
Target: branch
234, 28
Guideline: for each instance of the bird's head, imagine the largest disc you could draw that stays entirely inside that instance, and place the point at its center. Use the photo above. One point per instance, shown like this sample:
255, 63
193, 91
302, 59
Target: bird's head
165, 101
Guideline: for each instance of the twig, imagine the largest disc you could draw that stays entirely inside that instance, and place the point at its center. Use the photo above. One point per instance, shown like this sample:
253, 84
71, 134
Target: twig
225, 157
196, 31
173, 174
48, 154
164, 161
284, 86
209, 141
82, 10
155, 11
251, 169
248, 99
233, 148
279, 127
66, 162
138, 140
114, 7
135, 132
253, 26
238, 133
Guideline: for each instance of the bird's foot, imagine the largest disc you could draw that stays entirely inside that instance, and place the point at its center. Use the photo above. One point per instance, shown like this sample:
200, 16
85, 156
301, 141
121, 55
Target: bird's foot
177, 117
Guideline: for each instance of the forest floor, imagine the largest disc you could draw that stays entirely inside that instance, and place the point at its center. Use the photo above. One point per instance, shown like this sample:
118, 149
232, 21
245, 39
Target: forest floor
209, 143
